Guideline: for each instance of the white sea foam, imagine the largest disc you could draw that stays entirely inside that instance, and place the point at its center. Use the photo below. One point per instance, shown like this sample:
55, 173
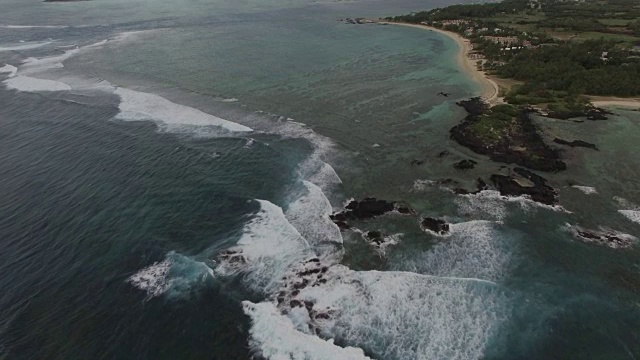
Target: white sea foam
474, 249
275, 337
586, 189
603, 236
624, 203
153, 278
632, 215
309, 214
270, 246
422, 185
175, 276
31, 66
490, 202
24, 46
9, 69
629, 209
388, 241
33, 26
401, 315
249, 143
136, 105
31, 84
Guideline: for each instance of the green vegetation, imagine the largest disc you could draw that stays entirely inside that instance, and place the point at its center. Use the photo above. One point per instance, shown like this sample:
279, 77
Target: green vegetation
560, 50
573, 68
495, 124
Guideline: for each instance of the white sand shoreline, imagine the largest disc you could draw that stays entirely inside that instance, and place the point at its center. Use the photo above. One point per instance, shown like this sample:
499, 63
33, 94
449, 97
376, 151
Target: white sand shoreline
610, 101
490, 89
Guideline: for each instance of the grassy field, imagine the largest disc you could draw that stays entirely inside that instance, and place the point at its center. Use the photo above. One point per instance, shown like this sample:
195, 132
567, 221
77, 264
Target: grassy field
529, 22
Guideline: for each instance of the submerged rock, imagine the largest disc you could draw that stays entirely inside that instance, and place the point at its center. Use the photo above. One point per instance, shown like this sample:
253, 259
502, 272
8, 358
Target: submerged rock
465, 164
534, 186
481, 185
603, 237
439, 227
442, 154
575, 143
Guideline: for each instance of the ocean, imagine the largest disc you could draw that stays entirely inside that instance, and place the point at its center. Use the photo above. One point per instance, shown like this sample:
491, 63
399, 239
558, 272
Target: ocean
168, 170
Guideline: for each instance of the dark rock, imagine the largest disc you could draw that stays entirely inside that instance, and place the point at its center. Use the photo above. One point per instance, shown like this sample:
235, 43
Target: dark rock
342, 225
604, 237
416, 162
575, 143
437, 226
322, 316
295, 303
375, 237
301, 285
538, 191
404, 210
447, 181
443, 94
523, 145
308, 305
443, 154
309, 272
365, 209
591, 113
465, 164
480, 185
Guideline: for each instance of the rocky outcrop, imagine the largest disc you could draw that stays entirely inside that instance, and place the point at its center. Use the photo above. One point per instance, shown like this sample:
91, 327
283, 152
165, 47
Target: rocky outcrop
520, 144
574, 143
481, 185
525, 182
436, 226
603, 237
366, 209
591, 113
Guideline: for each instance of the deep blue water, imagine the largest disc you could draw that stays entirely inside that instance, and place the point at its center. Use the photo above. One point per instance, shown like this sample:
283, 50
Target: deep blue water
114, 210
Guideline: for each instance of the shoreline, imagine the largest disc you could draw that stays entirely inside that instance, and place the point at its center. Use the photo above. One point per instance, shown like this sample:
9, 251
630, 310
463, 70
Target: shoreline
612, 101
489, 88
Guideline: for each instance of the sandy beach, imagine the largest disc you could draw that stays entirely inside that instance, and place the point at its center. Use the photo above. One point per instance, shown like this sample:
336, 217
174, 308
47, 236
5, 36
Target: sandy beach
490, 89
611, 101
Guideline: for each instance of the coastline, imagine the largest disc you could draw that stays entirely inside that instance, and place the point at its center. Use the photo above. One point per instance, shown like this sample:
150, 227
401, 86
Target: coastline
489, 88
612, 101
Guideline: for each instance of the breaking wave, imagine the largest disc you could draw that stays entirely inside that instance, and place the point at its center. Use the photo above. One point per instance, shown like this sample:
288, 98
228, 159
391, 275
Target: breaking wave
274, 336
474, 249
24, 46
175, 276
630, 210
491, 203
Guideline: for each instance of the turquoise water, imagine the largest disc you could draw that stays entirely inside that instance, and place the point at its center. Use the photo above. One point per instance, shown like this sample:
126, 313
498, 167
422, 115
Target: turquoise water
121, 188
